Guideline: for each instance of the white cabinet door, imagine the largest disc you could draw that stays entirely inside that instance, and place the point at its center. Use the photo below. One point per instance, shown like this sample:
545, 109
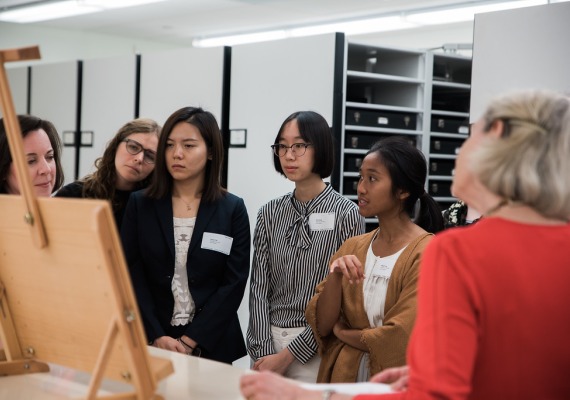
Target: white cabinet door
178, 78
108, 102
54, 98
18, 81
519, 49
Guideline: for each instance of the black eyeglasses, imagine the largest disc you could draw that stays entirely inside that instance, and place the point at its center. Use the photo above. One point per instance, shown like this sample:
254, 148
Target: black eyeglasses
297, 149
134, 148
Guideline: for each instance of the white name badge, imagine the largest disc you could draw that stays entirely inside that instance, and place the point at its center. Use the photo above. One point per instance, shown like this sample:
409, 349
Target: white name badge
217, 242
321, 221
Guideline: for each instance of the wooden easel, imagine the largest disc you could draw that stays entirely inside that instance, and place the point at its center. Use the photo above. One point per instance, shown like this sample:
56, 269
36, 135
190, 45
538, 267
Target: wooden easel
65, 292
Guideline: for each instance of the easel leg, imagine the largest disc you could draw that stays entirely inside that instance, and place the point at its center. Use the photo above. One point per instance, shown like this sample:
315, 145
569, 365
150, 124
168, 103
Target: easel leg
103, 359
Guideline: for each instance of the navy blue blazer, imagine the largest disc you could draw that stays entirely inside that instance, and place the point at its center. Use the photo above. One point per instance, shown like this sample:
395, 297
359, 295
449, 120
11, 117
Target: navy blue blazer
217, 281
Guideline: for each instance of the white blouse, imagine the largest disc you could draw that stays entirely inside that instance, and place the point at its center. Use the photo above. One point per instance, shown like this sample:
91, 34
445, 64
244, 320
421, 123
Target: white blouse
377, 271
184, 307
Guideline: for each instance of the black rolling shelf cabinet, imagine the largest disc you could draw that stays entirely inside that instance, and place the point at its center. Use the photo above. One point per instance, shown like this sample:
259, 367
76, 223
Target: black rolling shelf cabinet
418, 95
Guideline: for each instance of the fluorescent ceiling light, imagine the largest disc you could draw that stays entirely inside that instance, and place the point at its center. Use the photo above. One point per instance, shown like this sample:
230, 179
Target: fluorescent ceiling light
350, 28
388, 22
357, 27
240, 39
43, 12
62, 9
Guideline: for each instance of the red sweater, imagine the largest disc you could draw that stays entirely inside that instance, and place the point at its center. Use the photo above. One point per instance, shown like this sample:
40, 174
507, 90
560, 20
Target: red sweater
493, 316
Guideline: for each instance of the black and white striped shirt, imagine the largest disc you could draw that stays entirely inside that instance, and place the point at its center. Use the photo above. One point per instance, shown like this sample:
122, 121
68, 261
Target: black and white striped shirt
291, 255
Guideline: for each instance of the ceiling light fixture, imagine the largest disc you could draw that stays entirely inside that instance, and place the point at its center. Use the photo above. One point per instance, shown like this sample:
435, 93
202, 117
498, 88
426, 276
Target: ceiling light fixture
241, 39
381, 24
388, 22
43, 11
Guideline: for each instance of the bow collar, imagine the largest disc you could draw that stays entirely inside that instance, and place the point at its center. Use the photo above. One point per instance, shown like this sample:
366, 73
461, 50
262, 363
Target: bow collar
299, 233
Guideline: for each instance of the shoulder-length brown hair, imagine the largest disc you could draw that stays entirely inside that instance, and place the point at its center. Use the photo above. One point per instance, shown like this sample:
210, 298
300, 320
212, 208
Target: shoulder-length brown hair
205, 122
101, 183
29, 123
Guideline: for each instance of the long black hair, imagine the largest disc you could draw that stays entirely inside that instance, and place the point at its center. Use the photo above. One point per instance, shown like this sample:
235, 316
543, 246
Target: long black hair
408, 170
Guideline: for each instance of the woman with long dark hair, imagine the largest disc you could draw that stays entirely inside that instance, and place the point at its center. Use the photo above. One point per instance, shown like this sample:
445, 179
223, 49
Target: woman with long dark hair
187, 244
125, 166
363, 312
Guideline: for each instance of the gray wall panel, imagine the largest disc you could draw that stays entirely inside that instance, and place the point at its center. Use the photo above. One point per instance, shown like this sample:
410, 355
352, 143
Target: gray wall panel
520, 49
54, 97
108, 103
18, 81
269, 81
183, 77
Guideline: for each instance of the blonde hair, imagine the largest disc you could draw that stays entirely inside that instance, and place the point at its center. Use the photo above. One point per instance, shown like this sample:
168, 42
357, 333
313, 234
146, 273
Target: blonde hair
530, 164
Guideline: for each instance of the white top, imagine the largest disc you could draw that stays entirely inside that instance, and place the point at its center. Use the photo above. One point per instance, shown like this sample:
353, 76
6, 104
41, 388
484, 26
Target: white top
377, 271
184, 307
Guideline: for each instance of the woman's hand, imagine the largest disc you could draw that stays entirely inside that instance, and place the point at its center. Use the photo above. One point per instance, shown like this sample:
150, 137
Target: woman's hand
350, 336
396, 377
277, 363
338, 327
169, 343
348, 266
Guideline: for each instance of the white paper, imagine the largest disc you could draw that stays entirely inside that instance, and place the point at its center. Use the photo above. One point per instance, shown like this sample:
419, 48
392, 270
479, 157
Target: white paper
351, 388
321, 221
217, 242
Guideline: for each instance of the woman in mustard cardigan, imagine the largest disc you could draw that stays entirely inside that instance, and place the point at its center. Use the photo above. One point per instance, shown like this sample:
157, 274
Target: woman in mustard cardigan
362, 314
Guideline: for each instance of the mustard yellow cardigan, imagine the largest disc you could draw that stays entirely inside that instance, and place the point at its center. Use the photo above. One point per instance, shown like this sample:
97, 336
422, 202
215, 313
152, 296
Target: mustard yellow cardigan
387, 343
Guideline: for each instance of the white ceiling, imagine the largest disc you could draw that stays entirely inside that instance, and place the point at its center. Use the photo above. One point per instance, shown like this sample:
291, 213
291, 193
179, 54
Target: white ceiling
179, 21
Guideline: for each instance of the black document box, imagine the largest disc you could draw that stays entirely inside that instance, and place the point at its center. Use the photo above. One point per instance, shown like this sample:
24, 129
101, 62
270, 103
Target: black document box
350, 185
439, 188
381, 118
446, 146
352, 162
441, 167
365, 140
449, 125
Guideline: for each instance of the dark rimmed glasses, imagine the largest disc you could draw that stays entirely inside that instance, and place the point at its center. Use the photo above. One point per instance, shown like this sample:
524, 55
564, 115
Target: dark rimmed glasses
297, 149
134, 148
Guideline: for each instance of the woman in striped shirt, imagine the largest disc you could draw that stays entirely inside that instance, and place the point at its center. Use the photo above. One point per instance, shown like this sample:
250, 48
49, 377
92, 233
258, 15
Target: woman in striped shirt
294, 238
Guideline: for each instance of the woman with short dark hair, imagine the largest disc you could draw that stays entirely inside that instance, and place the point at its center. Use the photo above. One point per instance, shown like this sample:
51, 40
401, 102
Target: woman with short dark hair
294, 237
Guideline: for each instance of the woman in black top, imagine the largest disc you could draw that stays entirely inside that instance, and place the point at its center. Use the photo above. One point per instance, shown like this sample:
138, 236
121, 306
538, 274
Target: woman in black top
126, 165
